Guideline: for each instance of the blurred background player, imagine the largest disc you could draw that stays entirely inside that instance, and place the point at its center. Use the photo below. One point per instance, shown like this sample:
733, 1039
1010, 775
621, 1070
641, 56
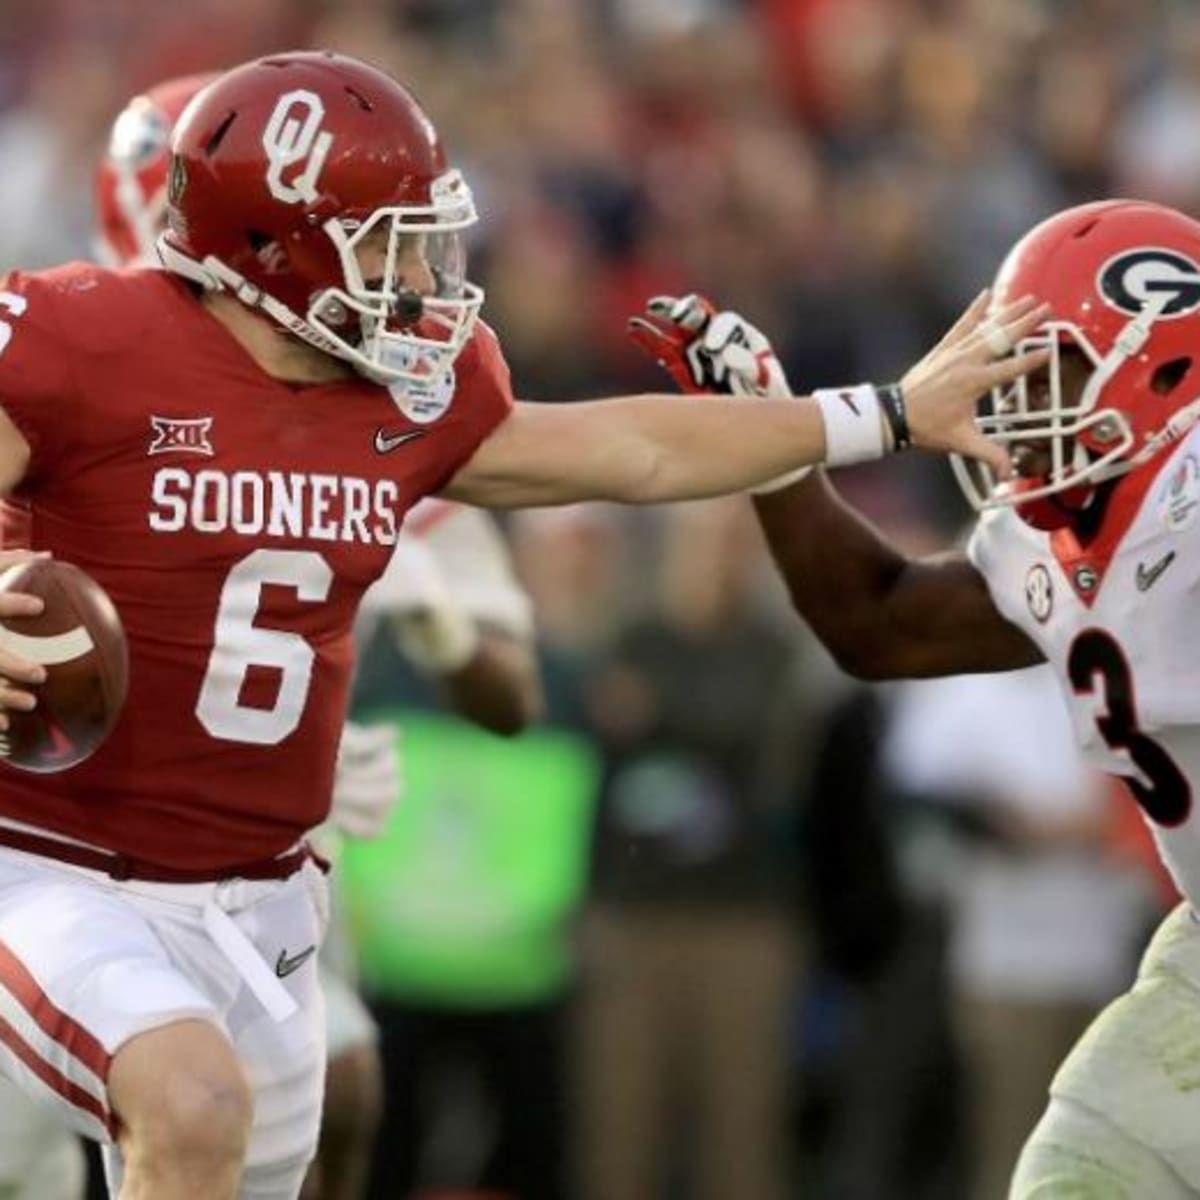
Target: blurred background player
462, 916
451, 601
39, 1156
699, 710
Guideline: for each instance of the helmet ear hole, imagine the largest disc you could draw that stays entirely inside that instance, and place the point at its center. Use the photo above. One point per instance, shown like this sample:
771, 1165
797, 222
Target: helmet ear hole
1167, 376
218, 135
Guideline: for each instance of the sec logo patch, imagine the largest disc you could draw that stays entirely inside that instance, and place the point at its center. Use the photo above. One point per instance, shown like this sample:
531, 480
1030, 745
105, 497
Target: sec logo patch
1039, 593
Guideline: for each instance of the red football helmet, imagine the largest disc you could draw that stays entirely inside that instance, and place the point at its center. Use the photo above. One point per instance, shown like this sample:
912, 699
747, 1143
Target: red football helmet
1123, 280
131, 178
282, 168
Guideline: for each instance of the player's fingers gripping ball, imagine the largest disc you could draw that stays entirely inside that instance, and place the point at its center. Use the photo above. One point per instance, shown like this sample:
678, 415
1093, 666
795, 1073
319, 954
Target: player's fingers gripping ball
65, 665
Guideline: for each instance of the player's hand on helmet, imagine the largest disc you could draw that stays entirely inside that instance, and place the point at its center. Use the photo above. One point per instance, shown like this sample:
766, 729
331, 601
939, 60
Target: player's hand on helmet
368, 780
431, 627
942, 390
706, 350
16, 671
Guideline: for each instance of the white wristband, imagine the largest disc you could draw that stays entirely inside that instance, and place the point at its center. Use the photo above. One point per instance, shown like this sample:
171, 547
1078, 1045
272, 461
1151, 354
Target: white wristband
853, 424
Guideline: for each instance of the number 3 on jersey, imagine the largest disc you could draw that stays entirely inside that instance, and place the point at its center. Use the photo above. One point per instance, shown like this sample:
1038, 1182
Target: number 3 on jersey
1096, 656
239, 644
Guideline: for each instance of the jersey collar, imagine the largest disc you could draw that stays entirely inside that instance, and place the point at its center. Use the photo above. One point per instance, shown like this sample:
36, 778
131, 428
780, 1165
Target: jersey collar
1085, 563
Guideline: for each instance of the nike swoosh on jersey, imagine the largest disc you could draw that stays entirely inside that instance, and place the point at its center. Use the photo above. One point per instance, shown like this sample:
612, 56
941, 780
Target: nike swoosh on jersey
284, 966
1147, 576
384, 442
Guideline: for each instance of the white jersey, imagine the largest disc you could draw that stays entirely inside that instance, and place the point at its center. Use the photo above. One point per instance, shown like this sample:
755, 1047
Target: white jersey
1115, 621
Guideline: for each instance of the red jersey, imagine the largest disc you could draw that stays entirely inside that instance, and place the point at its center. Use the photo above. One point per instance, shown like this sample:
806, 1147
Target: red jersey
235, 520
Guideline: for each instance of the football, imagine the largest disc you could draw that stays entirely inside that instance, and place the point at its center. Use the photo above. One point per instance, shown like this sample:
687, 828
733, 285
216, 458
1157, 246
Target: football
79, 639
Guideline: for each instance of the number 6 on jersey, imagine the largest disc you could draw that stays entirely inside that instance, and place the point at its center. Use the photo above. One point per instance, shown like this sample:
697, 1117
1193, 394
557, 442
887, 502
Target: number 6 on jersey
239, 644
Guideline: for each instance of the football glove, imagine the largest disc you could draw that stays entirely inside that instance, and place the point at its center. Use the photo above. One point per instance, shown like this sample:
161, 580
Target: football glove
704, 350
432, 629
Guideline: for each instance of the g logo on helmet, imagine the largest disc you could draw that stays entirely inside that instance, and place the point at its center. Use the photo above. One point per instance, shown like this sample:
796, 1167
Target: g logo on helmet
1134, 279
293, 135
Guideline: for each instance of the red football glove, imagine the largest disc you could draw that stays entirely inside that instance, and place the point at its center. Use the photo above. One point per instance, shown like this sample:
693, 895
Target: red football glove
708, 351
670, 332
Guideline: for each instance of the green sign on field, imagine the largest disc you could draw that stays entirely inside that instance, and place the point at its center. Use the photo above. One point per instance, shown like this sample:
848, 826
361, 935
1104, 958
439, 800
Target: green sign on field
466, 899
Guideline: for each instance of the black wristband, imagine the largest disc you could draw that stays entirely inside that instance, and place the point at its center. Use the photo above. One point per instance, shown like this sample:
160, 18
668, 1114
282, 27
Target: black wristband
891, 401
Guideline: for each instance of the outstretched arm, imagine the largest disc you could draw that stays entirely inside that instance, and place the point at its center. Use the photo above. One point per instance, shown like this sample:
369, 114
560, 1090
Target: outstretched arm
881, 614
648, 449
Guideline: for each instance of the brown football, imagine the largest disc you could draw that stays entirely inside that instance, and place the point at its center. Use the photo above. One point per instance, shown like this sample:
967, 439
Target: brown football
79, 639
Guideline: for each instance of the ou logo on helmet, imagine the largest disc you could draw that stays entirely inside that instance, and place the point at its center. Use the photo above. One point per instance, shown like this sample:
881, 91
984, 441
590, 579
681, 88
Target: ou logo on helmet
1136, 279
293, 136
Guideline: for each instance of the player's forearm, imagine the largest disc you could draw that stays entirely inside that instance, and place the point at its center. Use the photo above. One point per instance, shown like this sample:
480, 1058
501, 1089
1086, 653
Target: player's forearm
499, 688
839, 573
638, 449
711, 446
881, 614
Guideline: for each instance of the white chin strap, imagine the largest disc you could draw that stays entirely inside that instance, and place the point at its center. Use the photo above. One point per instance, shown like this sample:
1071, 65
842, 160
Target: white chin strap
214, 276
1177, 426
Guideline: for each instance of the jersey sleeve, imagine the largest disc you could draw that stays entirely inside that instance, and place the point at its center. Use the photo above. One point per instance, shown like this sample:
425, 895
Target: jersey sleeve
979, 544
37, 385
482, 400
996, 549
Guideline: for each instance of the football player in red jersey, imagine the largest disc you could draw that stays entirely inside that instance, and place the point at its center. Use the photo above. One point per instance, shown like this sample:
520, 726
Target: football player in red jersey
230, 447
1087, 559
475, 639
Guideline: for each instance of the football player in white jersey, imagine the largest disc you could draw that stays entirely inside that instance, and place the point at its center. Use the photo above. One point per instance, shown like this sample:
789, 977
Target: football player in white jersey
1090, 559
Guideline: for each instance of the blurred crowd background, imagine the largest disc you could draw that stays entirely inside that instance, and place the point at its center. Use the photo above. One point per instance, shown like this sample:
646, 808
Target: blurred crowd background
804, 938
